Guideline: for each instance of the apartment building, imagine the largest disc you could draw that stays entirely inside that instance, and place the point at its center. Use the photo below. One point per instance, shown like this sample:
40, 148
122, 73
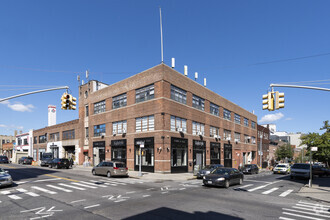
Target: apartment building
172, 121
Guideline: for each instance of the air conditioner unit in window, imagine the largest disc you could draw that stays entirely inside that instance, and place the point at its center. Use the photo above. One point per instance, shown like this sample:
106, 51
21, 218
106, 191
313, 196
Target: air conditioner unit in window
249, 137
114, 133
180, 129
228, 138
215, 136
124, 131
199, 133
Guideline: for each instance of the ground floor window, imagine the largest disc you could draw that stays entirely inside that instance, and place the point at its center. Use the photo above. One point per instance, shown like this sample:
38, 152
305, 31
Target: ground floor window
147, 154
179, 155
199, 156
215, 153
118, 150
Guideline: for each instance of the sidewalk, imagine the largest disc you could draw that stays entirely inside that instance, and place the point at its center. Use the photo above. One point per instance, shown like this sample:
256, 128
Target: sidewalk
320, 189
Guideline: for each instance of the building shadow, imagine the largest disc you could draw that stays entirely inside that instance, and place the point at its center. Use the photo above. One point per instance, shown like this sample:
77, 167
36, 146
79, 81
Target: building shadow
168, 213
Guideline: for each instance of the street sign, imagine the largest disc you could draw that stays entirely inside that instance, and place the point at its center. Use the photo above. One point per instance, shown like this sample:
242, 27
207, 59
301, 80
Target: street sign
141, 145
314, 149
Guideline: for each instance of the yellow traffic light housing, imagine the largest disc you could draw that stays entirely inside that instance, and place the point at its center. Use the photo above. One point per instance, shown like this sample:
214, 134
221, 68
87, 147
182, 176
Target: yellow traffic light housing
279, 100
64, 103
73, 102
268, 101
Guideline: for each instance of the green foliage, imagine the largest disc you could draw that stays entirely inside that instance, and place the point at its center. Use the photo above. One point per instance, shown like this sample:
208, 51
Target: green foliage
284, 151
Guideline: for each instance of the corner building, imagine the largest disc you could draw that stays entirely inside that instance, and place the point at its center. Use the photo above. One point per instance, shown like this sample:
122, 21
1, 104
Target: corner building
178, 122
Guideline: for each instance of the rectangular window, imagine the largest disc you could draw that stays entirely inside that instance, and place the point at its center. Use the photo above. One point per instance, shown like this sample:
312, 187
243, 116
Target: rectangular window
253, 139
145, 93
178, 94
246, 122
246, 139
198, 102
19, 141
146, 123
177, 123
25, 142
99, 130
119, 101
253, 125
198, 128
86, 132
119, 127
237, 137
42, 139
214, 131
227, 135
35, 140
237, 119
54, 137
99, 107
214, 109
86, 110
226, 114
68, 135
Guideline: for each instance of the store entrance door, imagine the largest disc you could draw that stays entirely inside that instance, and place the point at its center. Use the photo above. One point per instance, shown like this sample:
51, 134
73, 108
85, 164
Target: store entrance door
98, 152
228, 161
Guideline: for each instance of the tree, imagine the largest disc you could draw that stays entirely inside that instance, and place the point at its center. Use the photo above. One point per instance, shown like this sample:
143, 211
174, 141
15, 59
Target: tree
283, 152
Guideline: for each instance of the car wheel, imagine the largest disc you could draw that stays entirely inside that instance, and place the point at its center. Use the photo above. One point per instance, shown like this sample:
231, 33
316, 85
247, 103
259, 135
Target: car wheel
108, 174
226, 184
240, 181
93, 172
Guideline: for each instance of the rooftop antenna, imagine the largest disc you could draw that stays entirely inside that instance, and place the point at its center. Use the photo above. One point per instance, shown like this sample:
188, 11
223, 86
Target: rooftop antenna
204, 82
161, 34
196, 76
87, 74
173, 62
78, 79
185, 70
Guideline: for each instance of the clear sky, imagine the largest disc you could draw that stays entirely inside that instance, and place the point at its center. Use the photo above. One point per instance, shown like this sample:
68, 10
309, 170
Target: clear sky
239, 46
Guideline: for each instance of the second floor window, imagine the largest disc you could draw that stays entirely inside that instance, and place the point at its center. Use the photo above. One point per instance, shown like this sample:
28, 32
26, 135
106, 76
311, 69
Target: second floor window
177, 123
214, 131
253, 125
54, 136
86, 110
99, 107
99, 130
237, 137
246, 122
247, 139
119, 127
214, 109
226, 114
35, 140
178, 94
146, 123
25, 142
253, 139
198, 102
145, 93
42, 139
237, 119
197, 128
226, 135
119, 101
86, 132
68, 135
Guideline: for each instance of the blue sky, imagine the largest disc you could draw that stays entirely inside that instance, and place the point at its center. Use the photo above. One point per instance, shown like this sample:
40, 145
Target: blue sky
232, 43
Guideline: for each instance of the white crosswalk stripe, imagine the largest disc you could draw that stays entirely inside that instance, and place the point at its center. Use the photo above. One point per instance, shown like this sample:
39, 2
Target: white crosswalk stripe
70, 186
284, 194
27, 192
105, 183
44, 190
306, 210
60, 188
93, 184
245, 186
5, 192
114, 182
84, 185
269, 191
14, 197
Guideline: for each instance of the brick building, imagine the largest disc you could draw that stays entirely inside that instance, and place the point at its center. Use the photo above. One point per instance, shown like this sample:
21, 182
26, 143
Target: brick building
263, 145
179, 122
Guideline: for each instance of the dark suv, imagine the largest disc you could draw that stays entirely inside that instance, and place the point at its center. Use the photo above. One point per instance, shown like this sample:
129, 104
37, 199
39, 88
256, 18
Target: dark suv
25, 160
250, 168
59, 163
4, 159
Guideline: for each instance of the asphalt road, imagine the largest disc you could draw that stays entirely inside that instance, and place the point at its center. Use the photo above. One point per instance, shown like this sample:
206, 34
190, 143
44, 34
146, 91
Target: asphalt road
71, 194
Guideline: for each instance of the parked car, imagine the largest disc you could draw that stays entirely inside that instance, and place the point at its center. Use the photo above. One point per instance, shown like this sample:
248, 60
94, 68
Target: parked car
282, 168
59, 163
318, 170
223, 177
25, 160
4, 159
300, 170
207, 170
46, 158
110, 168
250, 169
5, 178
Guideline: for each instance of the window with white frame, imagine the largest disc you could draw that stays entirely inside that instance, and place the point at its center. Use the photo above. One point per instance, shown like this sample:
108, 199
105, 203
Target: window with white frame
237, 119
246, 122
146, 123
119, 101
214, 131
253, 140
253, 125
86, 132
198, 102
226, 135
177, 123
178, 94
119, 127
197, 128
99, 130
226, 114
214, 109
237, 137
145, 93
99, 107
246, 139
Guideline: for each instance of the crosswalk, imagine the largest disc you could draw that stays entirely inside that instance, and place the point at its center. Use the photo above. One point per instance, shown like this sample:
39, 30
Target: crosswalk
306, 210
68, 187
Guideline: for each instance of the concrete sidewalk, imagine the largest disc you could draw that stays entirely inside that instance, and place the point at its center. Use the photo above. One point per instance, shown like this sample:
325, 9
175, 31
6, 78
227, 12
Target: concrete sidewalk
320, 189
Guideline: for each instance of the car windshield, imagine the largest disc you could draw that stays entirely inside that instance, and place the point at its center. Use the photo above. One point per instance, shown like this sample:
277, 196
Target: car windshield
280, 166
220, 171
248, 166
207, 167
120, 165
47, 156
301, 166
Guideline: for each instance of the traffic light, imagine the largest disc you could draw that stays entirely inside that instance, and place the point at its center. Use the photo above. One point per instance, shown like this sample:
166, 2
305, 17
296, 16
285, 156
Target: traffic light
279, 100
64, 101
268, 101
73, 103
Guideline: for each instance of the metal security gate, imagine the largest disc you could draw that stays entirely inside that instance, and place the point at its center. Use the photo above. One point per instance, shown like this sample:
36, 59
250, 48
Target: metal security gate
228, 160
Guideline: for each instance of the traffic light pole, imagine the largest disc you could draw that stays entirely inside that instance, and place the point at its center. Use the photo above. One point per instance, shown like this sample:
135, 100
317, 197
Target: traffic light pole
301, 87
34, 92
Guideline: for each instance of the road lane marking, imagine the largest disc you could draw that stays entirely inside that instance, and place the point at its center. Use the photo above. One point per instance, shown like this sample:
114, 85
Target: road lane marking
245, 186
313, 206
130, 192
44, 190
28, 193
145, 196
5, 192
114, 182
302, 216
18, 183
14, 197
150, 189
93, 184
308, 213
257, 181
263, 186
84, 185
307, 203
284, 194
61, 178
9, 166
108, 184
59, 188
45, 180
70, 186
269, 191
91, 206
313, 209
182, 188
283, 218
81, 200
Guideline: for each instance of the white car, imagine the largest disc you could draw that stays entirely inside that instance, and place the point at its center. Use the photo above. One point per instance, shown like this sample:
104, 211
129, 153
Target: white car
5, 178
282, 168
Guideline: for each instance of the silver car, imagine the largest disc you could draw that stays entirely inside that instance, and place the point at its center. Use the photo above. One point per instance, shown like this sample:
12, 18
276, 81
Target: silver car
110, 168
5, 178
